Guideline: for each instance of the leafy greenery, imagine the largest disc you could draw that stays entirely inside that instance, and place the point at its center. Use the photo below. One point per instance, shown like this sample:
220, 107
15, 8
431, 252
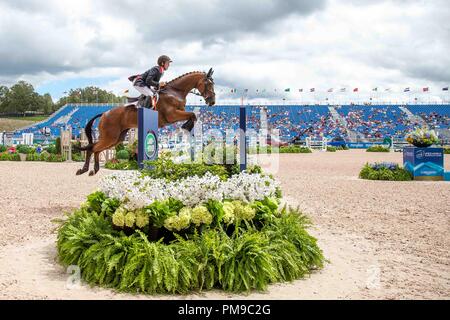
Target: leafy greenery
37, 157
122, 155
377, 148
372, 172
165, 168
245, 260
51, 149
282, 149
24, 149
5, 156
55, 158
446, 150
2, 148
125, 165
331, 149
77, 157
294, 149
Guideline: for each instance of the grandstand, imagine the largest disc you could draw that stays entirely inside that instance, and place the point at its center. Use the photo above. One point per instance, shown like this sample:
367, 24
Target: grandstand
293, 121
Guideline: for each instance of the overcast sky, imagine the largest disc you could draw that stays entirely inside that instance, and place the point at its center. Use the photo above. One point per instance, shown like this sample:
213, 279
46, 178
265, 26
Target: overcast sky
254, 44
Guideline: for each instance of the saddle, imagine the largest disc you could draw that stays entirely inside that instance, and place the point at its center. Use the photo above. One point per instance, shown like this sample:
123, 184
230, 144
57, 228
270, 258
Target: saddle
144, 101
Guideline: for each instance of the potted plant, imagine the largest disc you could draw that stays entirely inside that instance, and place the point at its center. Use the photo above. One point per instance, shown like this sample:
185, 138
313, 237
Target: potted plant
23, 150
422, 138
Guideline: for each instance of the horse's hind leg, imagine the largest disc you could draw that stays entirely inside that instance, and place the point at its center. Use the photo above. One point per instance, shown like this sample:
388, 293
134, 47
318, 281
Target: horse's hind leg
96, 164
86, 163
97, 149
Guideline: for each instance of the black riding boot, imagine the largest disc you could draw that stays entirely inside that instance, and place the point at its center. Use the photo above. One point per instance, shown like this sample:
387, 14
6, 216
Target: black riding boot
147, 102
141, 100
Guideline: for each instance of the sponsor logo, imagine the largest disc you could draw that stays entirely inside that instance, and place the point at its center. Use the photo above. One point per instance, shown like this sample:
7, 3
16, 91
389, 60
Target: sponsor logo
420, 154
151, 145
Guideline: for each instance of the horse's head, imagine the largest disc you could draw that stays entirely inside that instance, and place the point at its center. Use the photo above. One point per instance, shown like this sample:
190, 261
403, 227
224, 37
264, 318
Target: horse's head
206, 88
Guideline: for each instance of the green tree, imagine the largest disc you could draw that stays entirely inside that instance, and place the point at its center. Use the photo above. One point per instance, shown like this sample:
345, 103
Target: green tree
47, 105
88, 95
3, 98
21, 97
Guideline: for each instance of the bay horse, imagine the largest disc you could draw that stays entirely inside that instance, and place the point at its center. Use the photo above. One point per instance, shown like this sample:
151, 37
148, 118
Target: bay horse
114, 124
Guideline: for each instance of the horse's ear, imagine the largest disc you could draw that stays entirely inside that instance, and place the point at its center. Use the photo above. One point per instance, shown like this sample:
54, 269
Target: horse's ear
210, 72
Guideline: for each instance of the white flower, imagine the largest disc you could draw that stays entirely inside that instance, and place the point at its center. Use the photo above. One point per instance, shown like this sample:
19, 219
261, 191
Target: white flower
136, 191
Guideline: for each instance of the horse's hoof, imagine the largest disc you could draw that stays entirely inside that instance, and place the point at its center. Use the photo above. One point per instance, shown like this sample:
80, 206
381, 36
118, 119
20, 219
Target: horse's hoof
91, 173
80, 171
188, 125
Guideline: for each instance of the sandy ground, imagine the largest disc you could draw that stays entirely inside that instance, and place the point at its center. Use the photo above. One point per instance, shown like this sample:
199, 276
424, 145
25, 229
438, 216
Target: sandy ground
383, 240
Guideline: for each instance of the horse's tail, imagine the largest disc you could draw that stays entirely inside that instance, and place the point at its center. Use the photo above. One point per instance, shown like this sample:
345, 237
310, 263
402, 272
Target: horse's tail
88, 131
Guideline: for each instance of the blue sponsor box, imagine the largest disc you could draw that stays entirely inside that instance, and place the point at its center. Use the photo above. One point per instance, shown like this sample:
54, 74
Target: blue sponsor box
424, 163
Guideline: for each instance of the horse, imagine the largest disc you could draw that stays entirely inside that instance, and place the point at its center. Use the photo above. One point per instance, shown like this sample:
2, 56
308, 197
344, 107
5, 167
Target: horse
114, 124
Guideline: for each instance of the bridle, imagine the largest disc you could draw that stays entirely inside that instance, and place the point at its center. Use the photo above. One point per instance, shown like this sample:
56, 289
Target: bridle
203, 94
207, 93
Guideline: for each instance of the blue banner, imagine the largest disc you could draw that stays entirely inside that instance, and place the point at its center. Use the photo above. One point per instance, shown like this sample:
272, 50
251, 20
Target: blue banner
364, 145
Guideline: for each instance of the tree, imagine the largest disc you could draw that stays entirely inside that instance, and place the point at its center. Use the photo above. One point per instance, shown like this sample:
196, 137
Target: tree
21, 97
89, 95
47, 103
3, 100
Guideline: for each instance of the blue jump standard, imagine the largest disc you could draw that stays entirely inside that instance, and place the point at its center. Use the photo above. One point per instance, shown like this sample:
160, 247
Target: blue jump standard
424, 163
147, 135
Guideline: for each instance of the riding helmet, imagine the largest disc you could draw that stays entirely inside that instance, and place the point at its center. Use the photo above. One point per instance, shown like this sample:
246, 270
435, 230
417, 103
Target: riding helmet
162, 59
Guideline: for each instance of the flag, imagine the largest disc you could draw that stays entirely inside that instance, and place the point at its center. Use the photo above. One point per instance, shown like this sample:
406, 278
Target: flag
445, 89
407, 90
300, 90
355, 90
375, 89
287, 90
426, 89
312, 89
330, 90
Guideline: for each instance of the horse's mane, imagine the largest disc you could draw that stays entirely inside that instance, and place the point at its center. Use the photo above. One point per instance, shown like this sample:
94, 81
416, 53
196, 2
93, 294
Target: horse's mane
183, 75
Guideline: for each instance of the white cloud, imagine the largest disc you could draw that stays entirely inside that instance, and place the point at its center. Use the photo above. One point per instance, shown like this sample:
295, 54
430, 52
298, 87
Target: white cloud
253, 44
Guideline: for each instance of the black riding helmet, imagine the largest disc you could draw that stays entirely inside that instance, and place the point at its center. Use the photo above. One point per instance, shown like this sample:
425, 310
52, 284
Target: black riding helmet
162, 59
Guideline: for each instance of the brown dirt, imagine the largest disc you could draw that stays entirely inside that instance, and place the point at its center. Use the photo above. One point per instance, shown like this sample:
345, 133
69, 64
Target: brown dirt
384, 240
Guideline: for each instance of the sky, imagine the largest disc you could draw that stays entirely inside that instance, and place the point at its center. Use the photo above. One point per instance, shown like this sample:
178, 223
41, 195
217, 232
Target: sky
251, 44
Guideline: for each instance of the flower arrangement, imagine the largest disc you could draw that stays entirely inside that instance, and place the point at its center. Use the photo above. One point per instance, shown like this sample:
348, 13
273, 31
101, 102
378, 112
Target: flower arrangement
384, 171
422, 138
385, 165
158, 234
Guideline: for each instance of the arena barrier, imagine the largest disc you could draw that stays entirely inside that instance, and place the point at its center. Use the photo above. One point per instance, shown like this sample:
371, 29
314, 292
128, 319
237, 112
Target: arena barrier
317, 144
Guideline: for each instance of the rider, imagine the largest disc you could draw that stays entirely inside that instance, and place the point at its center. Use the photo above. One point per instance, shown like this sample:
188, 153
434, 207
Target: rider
148, 82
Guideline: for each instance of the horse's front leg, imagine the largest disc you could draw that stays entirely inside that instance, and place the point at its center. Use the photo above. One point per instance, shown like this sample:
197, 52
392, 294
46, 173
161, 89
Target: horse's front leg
180, 115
